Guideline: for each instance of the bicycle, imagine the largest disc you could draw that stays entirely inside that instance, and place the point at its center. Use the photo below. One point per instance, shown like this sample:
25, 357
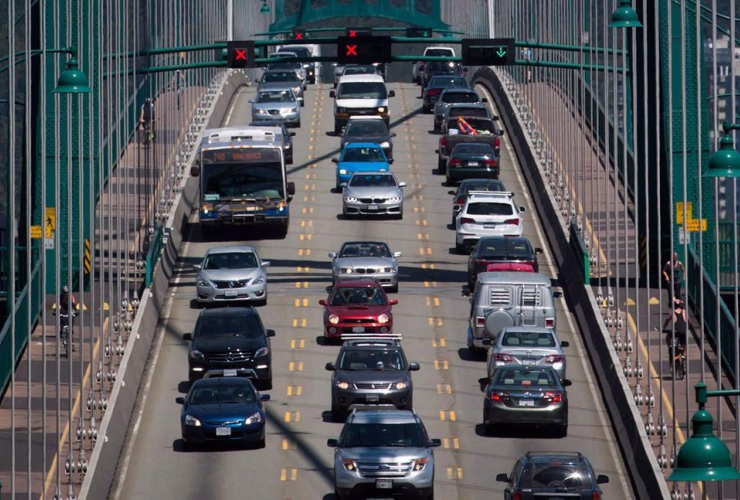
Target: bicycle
65, 321
678, 364
148, 133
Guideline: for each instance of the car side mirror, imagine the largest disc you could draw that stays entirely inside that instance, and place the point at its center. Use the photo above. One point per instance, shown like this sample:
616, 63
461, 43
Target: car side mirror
522, 209
291, 134
330, 367
391, 93
266, 263
393, 134
501, 132
332, 93
488, 342
402, 184
451, 193
602, 479
335, 160
567, 383
456, 208
435, 442
537, 250
197, 266
322, 302
332, 443
465, 70
564, 343
436, 151
393, 302
414, 367
390, 162
180, 400
397, 254
332, 255
485, 99
291, 188
251, 101
270, 333
264, 397
187, 336
342, 184
502, 478
194, 171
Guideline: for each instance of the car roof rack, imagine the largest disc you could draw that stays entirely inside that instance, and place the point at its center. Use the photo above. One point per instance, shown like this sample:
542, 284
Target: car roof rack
491, 194
575, 454
371, 341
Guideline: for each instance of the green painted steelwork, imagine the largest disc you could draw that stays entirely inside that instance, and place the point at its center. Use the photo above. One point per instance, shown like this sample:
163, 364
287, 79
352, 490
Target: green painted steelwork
374, 29
581, 252
153, 254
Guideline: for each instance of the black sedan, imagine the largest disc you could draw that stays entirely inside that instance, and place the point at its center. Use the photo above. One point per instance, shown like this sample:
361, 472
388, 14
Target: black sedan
430, 94
287, 138
435, 68
223, 409
369, 129
468, 185
500, 249
470, 160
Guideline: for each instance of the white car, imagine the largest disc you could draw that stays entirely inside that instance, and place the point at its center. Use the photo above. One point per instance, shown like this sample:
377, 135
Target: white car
231, 274
487, 213
417, 68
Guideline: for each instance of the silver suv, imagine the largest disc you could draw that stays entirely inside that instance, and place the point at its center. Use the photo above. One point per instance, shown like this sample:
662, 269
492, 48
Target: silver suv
384, 453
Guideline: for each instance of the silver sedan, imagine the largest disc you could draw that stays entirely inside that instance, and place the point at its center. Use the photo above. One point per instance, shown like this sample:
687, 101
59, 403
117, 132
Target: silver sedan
527, 346
276, 105
366, 259
373, 193
231, 274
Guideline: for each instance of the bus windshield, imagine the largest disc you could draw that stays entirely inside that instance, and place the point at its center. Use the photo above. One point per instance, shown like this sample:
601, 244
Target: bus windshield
225, 177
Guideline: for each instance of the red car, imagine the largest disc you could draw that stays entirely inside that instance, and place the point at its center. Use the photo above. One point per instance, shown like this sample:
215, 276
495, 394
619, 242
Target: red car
510, 266
357, 308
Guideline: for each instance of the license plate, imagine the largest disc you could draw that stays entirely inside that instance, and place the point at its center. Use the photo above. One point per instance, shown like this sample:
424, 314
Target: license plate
372, 398
384, 484
473, 164
372, 207
358, 329
489, 226
230, 293
526, 402
230, 373
223, 431
526, 361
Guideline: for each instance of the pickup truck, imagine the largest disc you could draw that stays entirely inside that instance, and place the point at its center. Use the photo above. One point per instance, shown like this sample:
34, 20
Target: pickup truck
488, 132
418, 67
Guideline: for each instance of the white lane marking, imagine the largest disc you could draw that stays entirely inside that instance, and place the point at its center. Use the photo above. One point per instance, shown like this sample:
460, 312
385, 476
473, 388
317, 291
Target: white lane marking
231, 110
600, 410
149, 377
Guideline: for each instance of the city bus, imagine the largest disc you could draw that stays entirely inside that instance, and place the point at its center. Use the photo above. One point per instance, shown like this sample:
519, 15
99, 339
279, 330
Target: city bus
243, 180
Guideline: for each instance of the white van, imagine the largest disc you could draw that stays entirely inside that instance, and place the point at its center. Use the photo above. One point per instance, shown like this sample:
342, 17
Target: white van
360, 95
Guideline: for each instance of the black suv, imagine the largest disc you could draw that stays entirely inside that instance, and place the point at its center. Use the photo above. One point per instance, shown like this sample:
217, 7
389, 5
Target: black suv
370, 374
552, 475
231, 338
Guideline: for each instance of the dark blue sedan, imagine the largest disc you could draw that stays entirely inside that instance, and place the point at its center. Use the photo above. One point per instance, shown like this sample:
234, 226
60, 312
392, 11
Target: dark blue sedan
223, 409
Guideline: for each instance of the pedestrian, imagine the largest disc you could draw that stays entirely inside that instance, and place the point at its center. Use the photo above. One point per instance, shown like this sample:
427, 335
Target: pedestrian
673, 276
146, 120
178, 83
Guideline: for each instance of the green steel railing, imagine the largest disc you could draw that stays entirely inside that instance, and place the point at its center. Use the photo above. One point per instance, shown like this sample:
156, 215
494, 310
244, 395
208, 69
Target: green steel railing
153, 255
580, 251
20, 269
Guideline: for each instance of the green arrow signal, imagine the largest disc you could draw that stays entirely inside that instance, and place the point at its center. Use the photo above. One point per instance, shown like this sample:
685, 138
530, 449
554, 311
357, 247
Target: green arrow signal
501, 52
425, 34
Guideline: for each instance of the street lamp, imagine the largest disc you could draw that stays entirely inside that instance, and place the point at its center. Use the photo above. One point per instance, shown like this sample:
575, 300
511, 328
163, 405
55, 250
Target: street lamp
725, 162
625, 16
72, 80
265, 9
704, 457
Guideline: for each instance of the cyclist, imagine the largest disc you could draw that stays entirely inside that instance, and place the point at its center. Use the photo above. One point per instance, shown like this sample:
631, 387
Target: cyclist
67, 310
178, 83
680, 325
146, 120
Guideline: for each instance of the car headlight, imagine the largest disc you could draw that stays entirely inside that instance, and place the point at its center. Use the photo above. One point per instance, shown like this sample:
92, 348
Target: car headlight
341, 110
258, 281
342, 385
285, 111
346, 270
385, 144
420, 463
253, 419
394, 199
381, 109
196, 354
401, 386
262, 112
296, 90
343, 171
287, 146
333, 319
389, 270
383, 319
262, 352
350, 199
192, 421
204, 282
349, 464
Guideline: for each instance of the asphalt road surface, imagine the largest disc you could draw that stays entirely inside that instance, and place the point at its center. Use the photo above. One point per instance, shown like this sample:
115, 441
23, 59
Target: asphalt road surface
432, 315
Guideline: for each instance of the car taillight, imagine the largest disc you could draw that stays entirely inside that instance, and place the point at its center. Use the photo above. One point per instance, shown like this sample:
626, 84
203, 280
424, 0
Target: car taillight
513, 222
442, 143
490, 163
455, 162
434, 91
554, 358
553, 397
497, 143
460, 201
498, 396
595, 495
480, 321
549, 322
504, 358
517, 495
467, 220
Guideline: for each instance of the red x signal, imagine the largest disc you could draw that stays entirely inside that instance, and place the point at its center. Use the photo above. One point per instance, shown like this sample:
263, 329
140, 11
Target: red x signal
299, 36
241, 55
351, 50
352, 34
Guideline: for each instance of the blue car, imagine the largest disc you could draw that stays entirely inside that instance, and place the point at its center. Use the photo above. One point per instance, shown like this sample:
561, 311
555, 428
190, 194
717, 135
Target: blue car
360, 157
221, 410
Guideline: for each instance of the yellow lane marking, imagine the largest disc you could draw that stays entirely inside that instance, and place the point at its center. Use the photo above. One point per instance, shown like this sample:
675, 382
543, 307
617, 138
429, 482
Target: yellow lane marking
309, 197
444, 389
289, 444
445, 415
421, 222
289, 474
428, 284
311, 147
307, 210
454, 473
299, 323
298, 343
438, 343
304, 251
306, 223
451, 442
309, 187
425, 251
292, 416
433, 301
295, 390
298, 284
304, 269
428, 266
311, 177
420, 210
302, 237
301, 302
422, 236
295, 366
441, 364
419, 197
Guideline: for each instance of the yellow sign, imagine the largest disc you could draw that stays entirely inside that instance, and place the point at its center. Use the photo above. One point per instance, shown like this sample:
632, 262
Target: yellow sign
48, 232
36, 232
680, 210
693, 225
51, 219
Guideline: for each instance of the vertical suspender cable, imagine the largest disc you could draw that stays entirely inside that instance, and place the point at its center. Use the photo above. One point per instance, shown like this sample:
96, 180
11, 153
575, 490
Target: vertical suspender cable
42, 163
684, 180
57, 253
656, 101
614, 237
80, 204
12, 230
28, 166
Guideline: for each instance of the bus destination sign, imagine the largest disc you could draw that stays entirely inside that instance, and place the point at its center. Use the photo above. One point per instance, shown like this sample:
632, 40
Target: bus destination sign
261, 155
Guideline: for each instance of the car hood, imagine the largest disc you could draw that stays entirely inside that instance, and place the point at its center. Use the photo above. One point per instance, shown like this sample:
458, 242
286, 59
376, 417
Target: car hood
365, 262
279, 86
373, 192
385, 454
223, 412
228, 343
231, 274
526, 351
275, 105
377, 139
373, 376
362, 311
363, 166
361, 103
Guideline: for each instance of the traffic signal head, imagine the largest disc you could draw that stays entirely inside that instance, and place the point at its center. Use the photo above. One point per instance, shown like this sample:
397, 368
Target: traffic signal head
419, 32
488, 51
240, 54
364, 49
355, 32
298, 34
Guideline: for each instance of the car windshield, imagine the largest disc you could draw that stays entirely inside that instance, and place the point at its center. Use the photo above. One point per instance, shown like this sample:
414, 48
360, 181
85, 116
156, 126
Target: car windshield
528, 339
375, 435
454, 97
280, 76
366, 359
360, 128
217, 325
481, 185
284, 65
232, 260
299, 51
478, 124
441, 66
370, 180
363, 154
357, 296
438, 52
504, 246
556, 476
472, 111
362, 90
374, 249
473, 149
359, 70
222, 394
490, 208
278, 96
524, 377
448, 82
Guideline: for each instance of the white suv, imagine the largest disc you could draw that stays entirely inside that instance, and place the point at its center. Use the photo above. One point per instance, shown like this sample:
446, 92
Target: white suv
487, 213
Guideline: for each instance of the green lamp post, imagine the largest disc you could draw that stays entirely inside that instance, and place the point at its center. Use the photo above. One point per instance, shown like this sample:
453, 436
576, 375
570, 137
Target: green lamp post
704, 457
265, 9
72, 80
725, 162
625, 16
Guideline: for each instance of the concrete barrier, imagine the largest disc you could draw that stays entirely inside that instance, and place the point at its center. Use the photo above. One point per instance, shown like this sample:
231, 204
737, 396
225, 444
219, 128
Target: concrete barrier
115, 424
645, 475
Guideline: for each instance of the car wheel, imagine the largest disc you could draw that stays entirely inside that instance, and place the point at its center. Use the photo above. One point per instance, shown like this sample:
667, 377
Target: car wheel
399, 216
441, 165
298, 125
260, 303
460, 249
393, 289
473, 351
266, 384
448, 180
338, 415
337, 129
303, 102
261, 443
186, 446
563, 430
